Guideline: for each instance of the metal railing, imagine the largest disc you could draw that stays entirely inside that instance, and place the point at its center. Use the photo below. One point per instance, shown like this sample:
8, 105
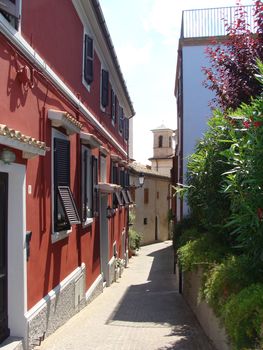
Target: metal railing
211, 22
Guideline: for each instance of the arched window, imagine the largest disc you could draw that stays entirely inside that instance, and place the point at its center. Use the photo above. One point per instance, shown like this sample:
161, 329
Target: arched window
160, 143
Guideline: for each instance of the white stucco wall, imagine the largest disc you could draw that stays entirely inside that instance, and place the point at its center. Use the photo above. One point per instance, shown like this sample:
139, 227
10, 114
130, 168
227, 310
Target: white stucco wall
196, 99
157, 206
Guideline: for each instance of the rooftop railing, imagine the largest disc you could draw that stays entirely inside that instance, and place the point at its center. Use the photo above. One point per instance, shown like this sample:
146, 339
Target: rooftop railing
211, 22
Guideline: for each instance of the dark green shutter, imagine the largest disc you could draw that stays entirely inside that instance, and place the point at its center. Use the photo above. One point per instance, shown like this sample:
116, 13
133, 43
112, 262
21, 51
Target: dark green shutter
104, 88
88, 59
61, 162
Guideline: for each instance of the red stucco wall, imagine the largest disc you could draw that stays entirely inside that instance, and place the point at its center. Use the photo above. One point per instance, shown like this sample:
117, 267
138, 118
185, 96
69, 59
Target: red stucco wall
60, 44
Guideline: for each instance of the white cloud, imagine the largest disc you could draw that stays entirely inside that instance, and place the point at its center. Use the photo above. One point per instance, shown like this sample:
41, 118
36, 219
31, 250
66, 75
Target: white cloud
164, 18
131, 56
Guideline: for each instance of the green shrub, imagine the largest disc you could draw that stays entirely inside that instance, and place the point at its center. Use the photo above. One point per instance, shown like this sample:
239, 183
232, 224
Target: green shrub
226, 279
209, 205
179, 229
204, 250
134, 239
243, 318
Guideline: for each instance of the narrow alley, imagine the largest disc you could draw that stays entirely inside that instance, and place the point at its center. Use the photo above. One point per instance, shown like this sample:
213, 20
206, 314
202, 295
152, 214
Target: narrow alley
142, 310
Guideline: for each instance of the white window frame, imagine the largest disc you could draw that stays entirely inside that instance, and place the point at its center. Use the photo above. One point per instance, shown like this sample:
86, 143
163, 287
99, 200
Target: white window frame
87, 220
103, 168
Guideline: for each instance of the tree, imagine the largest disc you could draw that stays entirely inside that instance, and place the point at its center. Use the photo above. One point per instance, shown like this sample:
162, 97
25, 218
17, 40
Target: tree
232, 70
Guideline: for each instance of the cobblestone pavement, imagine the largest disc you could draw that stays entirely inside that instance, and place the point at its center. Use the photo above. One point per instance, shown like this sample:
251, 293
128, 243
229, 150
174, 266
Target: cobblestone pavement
141, 311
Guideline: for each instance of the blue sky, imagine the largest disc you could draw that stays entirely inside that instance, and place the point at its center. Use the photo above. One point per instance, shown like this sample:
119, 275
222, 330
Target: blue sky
145, 35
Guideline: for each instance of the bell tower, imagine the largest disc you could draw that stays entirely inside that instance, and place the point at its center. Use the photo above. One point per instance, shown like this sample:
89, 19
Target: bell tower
163, 149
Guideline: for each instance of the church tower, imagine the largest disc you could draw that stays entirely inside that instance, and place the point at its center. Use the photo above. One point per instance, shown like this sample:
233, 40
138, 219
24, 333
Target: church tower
163, 149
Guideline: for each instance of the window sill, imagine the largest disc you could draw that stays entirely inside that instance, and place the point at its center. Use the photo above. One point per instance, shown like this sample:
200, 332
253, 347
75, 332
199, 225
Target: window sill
87, 86
88, 222
58, 236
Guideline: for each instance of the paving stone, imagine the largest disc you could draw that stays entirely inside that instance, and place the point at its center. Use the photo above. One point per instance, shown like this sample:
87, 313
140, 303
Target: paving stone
142, 311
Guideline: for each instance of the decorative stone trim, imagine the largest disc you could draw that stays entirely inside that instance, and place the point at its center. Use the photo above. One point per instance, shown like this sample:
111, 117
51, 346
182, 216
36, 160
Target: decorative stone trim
115, 157
28, 144
89, 139
108, 188
64, 120
104, 151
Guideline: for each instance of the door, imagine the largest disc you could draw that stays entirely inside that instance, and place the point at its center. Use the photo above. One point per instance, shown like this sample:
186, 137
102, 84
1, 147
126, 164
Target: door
156, 228
104, 240
4, 331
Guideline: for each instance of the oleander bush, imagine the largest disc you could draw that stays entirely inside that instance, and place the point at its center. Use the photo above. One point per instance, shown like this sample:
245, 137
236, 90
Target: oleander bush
224, 191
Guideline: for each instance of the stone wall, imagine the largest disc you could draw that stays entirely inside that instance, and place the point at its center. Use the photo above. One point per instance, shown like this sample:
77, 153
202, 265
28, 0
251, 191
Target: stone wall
63, 302
205, 315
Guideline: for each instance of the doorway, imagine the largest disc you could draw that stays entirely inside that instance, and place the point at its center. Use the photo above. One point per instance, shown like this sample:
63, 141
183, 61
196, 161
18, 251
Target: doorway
4, 331
156, 228
104, 238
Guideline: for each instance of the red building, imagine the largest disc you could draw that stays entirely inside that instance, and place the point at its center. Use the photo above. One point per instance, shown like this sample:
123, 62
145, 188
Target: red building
64, 143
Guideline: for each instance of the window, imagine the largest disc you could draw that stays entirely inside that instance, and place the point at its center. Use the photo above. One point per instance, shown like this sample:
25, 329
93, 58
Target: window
10, 9
146, 196
131, 193
103, 169
170, 141
95, 186
115, 180
120, 120
65, 211
104, 88
113, 107
122, 177
88, 59
86, 185
114, 173
160, 142
126, 129
125, 197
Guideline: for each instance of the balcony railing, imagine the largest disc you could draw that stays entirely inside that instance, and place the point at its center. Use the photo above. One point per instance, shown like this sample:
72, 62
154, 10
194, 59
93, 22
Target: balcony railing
211, 22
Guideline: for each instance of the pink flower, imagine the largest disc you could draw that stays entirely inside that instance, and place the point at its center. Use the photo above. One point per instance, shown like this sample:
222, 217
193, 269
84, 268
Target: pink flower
257, 124
246, 124
260, 214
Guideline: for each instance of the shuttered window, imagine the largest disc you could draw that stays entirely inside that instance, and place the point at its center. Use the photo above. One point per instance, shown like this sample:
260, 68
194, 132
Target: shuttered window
113, 107
115, 180
125, 197
69, 204
130, 197
104, 88
95, 186
65, 212
126, 129
120, 120
88, 59
86, 184
10, 9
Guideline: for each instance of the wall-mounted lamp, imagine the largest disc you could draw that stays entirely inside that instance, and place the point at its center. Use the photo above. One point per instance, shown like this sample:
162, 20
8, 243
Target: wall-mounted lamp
141, 182
7, 156
141, 179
